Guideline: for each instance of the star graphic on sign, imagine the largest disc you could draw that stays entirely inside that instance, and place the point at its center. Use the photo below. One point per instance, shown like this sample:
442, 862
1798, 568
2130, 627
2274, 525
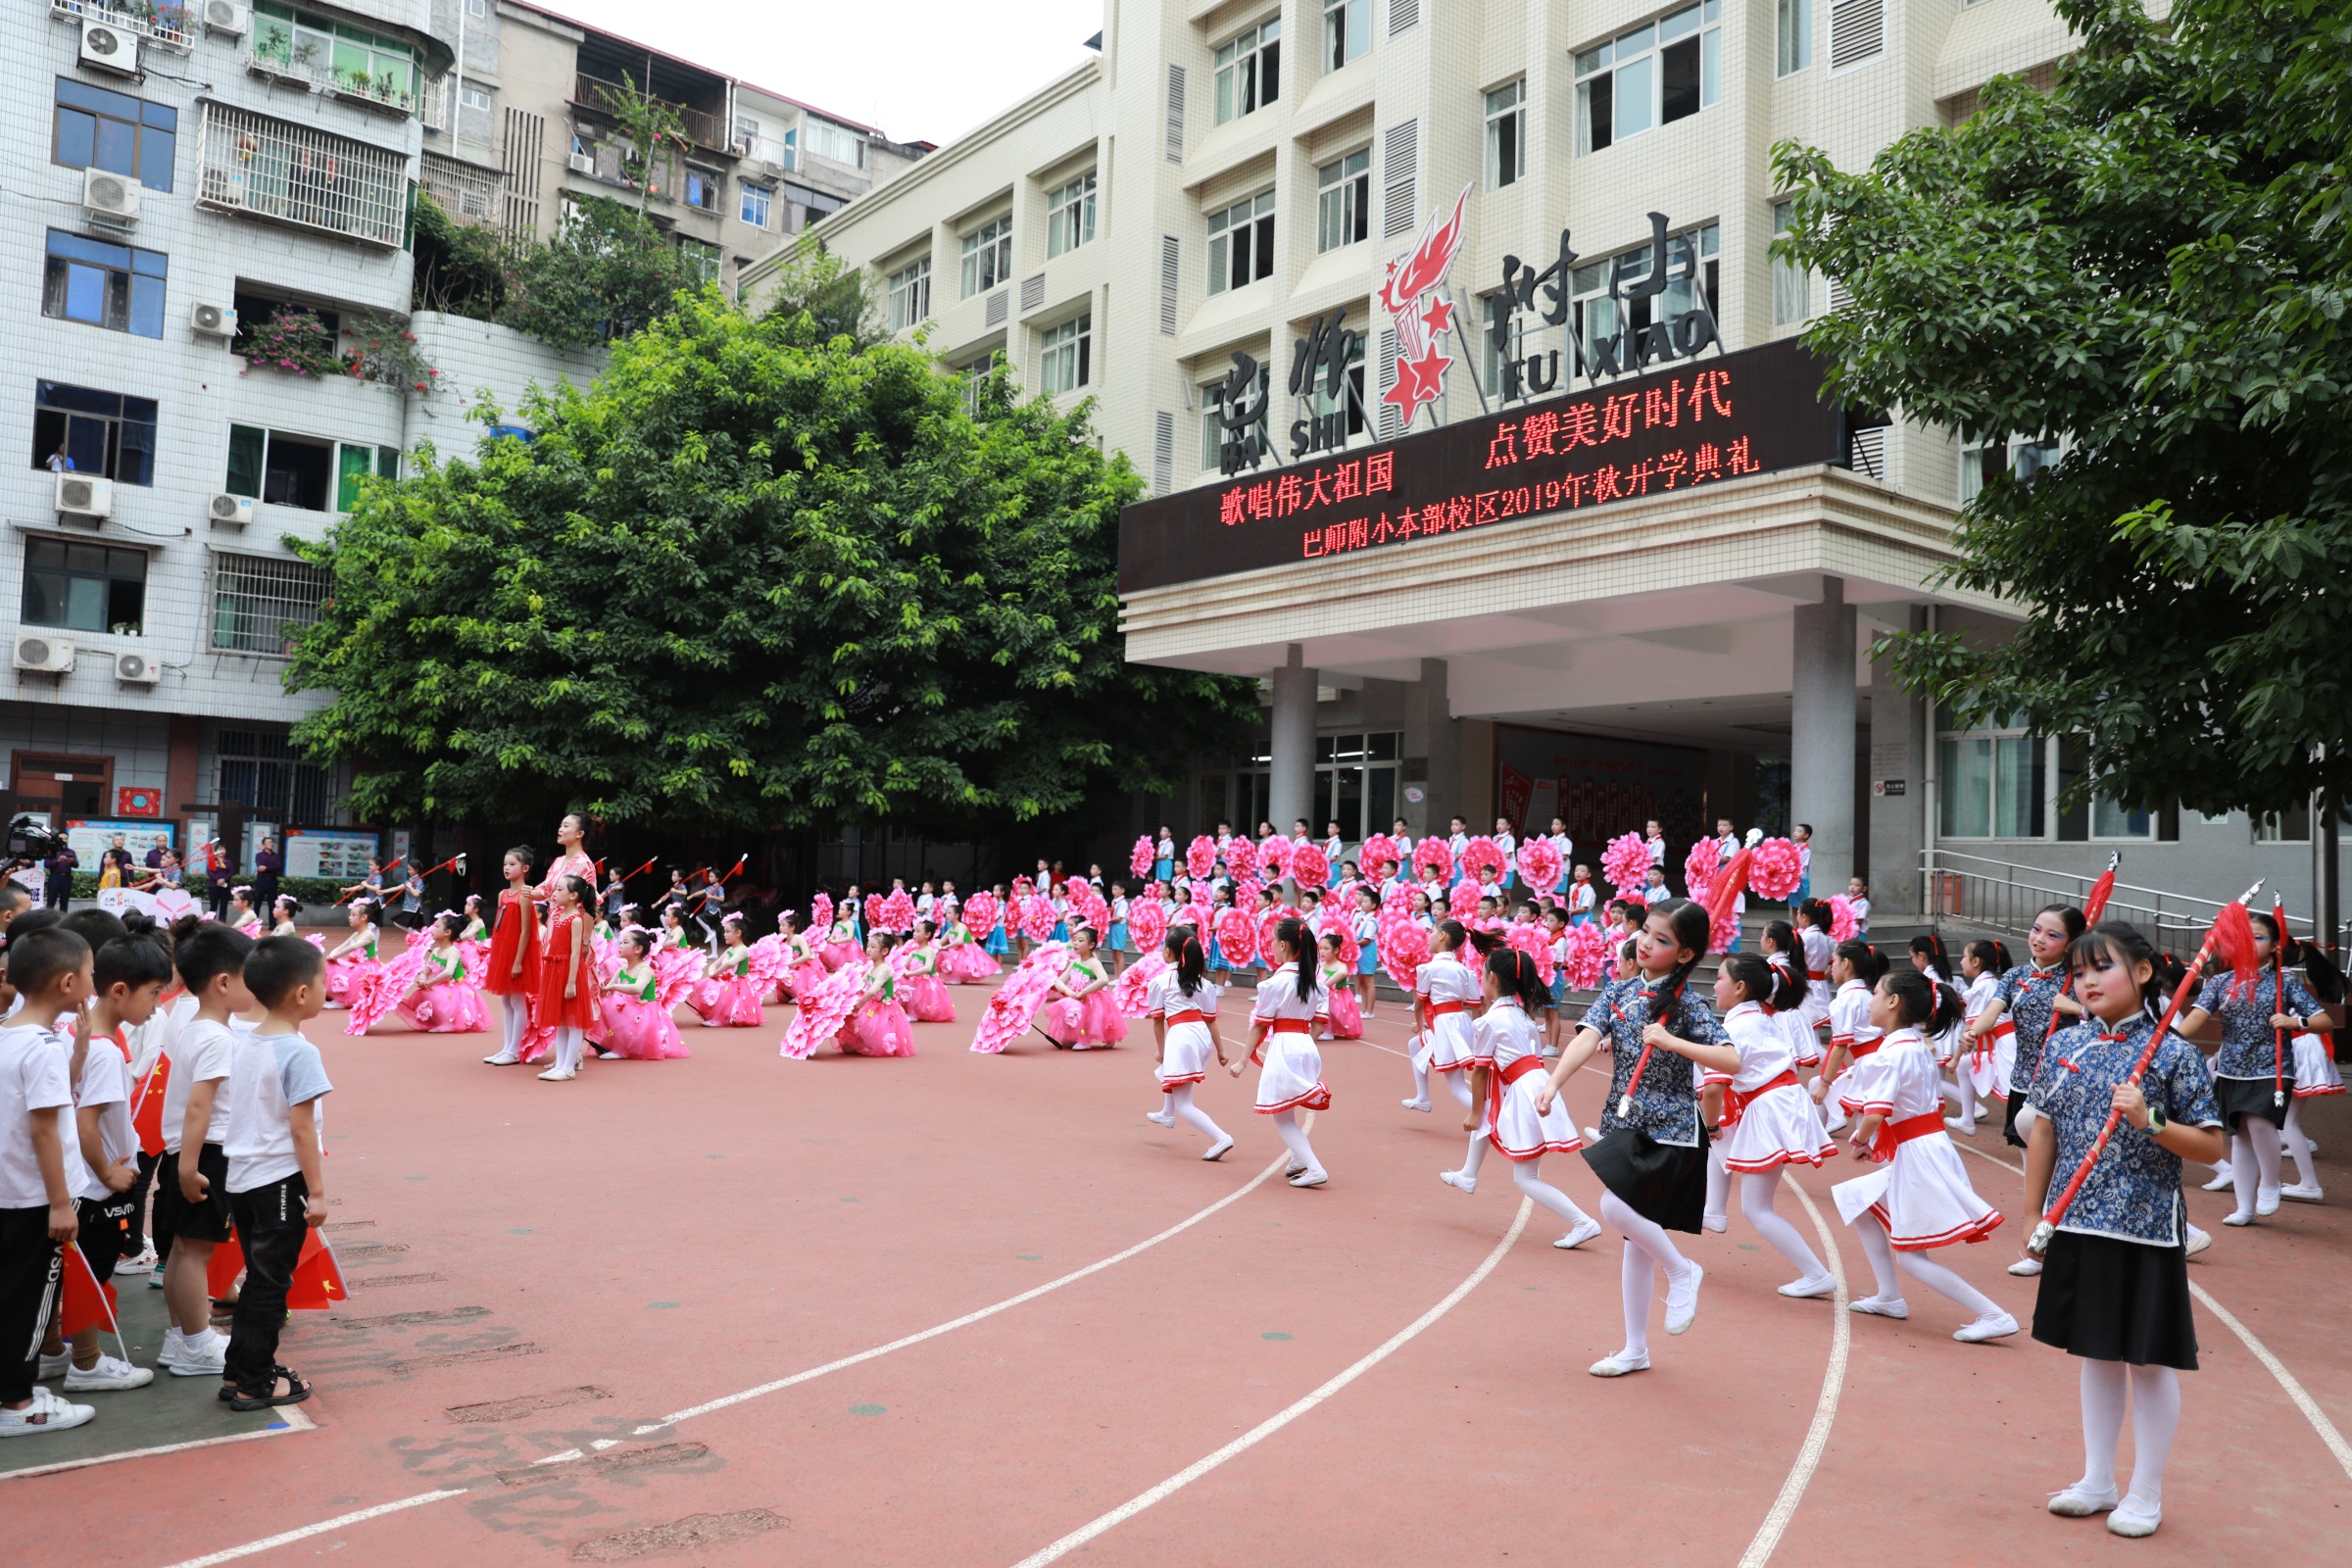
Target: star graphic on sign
1437, 316
1418, 381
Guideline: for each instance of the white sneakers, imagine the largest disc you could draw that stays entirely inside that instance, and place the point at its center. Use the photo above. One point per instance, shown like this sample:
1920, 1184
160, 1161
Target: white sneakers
1999, 1326
1681, 1300
46, 1413
1583, 1231
141, 1263
1458, 1181
55, 1367
109, 1373
204, 1356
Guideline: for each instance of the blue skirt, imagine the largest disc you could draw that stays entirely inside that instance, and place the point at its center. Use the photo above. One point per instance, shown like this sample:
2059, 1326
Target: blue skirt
1118, 936
1216, 955
1367, 957
996, 943
1162, 871
1061, 930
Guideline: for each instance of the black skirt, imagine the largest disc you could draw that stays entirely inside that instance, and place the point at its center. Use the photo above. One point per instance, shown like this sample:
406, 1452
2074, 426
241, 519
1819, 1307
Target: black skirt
2016, 1104
2240, 1097
2114, 1300
1664, 1183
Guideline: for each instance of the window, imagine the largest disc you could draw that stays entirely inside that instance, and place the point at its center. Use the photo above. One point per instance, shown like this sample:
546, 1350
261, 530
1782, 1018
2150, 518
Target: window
1992, 786
1213, 433
703, 187
475, 96
910, 294
1650, 76
1347, 32
2290, 827
1507, 134
1250, 70
1350, 399
1356, 783
1070, 215
1241, 243
1064, 354
702, 260
976, 380
300, 471
259, 769
1343, 200
756, 201
2022, 456
256, 311
1794, 37
320, 49
1597, 313
1792, 285
100, 433
988, 256
113, 286
113, 131
477, 7
837, 142
84, 587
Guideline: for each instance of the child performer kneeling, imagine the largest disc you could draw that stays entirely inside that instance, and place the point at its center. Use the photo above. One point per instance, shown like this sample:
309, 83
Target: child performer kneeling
1506, 1071
1183, 1007
1921, 1199
2115, 1281
1652, 1154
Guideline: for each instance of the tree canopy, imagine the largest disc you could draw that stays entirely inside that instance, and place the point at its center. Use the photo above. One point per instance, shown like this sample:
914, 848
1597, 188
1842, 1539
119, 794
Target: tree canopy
749, 577
2151, 259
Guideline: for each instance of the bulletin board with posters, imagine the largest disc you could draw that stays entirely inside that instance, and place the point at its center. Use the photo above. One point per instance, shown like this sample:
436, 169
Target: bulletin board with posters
1602, 788
93, 837
340, 853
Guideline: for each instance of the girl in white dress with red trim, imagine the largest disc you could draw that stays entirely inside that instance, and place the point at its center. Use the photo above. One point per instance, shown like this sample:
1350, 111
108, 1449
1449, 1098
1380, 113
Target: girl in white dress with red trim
1506, 1069
1290, 1008
1919, 1197
1182, 1008
1783, 951
1814, 919
1853, 1038
1981, 1069
1768, 1120
1444, 992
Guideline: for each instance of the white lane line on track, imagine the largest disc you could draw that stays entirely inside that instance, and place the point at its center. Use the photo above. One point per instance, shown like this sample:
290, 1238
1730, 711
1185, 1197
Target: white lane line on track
1824, 1409
231, 1554
1275, 1423
2295, 1392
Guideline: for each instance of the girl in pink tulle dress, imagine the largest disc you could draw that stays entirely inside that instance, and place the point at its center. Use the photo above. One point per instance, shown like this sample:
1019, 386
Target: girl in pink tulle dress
353, 963
879, 1026
728, 997
439, 998
927, 1001
1346, 1016
636, 1024
803, 970
963, 961
1081, 1015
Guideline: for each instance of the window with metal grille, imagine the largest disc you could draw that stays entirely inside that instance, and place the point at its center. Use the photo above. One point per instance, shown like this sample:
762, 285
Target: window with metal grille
291, 174
1344, 200
1241, 243
1250, 70
259, 601
260, 770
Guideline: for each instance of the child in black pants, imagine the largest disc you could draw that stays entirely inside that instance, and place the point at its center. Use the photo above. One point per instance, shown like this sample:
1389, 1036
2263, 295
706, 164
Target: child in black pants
51, 970
276, 1184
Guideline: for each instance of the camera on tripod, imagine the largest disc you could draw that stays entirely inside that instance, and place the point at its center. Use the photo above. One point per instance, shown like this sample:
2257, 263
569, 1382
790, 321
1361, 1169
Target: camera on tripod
29, 840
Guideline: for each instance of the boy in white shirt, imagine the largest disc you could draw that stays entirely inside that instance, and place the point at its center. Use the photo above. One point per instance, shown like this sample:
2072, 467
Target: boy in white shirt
276, 1180
1857, 894
50, 971
1508, 843
1654, 840
191, 1195
1656, 891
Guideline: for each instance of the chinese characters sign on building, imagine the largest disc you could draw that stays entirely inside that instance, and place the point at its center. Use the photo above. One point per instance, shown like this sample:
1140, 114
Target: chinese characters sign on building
1673, 430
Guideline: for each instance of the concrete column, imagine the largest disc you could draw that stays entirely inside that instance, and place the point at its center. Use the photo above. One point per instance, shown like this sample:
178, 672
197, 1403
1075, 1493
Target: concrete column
1292, 786
1440, 740
1820, 755
1897, 783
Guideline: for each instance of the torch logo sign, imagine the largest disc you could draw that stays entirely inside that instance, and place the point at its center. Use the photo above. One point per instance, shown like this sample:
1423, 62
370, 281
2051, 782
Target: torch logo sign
1414, 295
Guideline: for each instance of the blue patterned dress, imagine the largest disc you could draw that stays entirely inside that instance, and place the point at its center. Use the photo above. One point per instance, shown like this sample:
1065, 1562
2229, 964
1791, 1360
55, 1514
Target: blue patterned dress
2246, 1071
1653, 1158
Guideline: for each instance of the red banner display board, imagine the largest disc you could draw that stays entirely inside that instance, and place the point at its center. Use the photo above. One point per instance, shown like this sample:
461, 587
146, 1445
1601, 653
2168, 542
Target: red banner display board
1698, 424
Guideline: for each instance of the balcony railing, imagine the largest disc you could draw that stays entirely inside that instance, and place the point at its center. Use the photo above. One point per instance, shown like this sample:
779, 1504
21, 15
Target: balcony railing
2004, 896
467, 191
167, 24
602, 96
274, 56
291, 174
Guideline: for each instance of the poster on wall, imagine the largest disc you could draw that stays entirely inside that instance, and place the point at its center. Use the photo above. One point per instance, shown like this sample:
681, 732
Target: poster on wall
329, 853
93, 837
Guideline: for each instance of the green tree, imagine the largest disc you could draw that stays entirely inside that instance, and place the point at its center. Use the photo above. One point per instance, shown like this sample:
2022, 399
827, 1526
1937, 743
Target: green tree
815, 284
2153, 258
608, 272
745, 580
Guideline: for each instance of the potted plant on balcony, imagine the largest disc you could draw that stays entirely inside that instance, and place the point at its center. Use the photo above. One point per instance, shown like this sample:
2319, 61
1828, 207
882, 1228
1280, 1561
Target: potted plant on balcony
292, 341
386, 352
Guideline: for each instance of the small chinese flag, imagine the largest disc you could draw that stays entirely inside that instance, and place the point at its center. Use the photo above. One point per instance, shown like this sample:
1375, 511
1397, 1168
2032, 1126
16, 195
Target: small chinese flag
89, 1303
229, 1262
147, 1108
317, 1281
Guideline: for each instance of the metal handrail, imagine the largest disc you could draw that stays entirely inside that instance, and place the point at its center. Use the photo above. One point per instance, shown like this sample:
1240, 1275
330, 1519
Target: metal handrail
1959, 893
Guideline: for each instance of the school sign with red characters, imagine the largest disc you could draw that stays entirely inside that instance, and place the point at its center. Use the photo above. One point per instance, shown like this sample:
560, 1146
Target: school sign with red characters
1683, 426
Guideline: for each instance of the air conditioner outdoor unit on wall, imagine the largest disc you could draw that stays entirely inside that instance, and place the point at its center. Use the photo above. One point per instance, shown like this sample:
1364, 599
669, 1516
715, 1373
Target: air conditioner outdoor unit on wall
227, 16
583, 163
84, 495
214, 320
105, 47
50, 655
138, 669
231, 512
111, 196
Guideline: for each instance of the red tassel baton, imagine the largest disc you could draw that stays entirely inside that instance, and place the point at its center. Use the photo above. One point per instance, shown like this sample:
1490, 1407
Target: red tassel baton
2095, 906
2277, 1004
2234, 935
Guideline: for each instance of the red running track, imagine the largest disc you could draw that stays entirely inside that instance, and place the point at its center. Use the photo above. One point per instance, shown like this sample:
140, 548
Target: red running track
597, 1257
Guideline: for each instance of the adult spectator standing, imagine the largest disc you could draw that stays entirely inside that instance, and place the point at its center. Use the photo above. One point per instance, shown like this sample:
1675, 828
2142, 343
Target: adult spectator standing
217, 874
62, 861
267, 866
155, 856
412, 897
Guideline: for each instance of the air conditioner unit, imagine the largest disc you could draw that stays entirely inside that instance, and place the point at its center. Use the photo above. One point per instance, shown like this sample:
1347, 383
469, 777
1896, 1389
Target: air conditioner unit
227, 16
231, 512
84, 495
138, 669
105, 47
583, 163
52, 655
109, 195
214, 320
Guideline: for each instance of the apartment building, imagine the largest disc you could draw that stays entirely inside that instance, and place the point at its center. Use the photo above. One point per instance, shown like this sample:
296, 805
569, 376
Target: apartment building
524, 122
1235, 229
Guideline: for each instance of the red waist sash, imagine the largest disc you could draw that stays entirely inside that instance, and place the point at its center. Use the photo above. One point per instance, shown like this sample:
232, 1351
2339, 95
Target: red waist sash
1288, 1026
1736, 1103
1892, 1135
1500, 1078
1439, 1009
1188, 1015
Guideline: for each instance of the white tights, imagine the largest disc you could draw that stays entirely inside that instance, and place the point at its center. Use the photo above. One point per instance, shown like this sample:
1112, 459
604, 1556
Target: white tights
1885, 1260
1453, 1080
1528, 1176
1293, 1136
1963, 1089
2298, 1146
517, 1014
2254, 1157
1179, 1103
2155, 1400
1647, 1248
1757, 1190
570, 1043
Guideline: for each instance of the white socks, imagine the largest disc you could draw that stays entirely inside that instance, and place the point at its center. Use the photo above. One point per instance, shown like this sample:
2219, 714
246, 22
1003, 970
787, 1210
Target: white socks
1881, 1252
2254, 1159
2155, 1400
1647, 1248
1527, 1175
1180, 1100
1420, 1075
1757, 1188
1293, 1138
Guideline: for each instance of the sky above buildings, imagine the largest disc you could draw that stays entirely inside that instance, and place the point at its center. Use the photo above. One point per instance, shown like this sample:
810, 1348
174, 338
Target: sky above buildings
917, 70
